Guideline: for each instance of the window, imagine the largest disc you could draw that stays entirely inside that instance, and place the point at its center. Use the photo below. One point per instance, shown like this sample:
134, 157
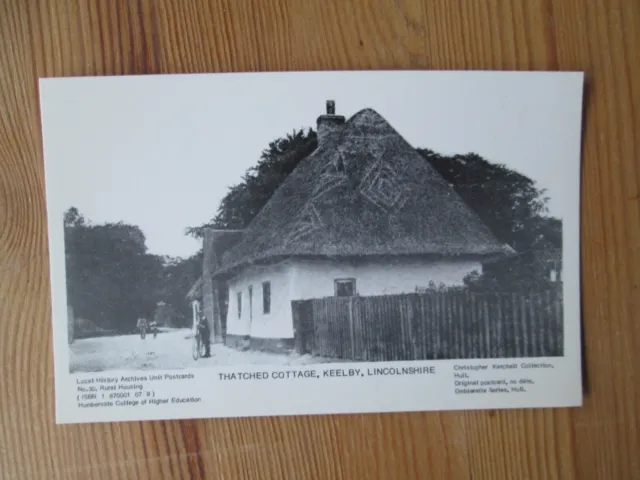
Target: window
239, 304
345, 287
266, 297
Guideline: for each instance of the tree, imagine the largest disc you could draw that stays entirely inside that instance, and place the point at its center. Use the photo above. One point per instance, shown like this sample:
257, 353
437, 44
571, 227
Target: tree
111, 279
178, 276
73, 218
509, 203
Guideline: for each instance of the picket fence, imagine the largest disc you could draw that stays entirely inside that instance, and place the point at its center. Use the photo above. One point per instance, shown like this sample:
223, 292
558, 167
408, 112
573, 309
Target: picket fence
431, 326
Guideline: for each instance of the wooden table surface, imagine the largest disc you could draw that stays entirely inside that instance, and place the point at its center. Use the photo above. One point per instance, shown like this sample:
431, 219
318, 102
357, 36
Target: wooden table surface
108, 37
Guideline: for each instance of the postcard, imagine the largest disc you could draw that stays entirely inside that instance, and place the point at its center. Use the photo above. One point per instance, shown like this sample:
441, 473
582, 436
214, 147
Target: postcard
259, 244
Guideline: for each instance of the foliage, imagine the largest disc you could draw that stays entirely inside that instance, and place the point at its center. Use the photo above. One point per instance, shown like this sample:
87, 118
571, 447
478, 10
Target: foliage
178, 276
112, 279
441, 287
508, 202
522, 273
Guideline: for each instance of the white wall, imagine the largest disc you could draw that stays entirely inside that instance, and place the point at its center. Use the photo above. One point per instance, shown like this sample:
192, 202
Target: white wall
315, 278
276, 324
303, 279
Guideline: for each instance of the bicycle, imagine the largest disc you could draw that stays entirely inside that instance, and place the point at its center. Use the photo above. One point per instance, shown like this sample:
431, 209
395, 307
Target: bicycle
198, 347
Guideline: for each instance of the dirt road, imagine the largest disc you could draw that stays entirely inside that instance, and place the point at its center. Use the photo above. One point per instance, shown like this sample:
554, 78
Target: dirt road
169, 350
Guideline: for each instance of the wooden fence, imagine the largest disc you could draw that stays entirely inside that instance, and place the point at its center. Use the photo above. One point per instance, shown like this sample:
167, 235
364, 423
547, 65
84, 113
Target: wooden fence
431, 326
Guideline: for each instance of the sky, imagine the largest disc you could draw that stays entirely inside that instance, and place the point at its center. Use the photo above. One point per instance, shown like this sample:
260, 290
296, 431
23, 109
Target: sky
161, 151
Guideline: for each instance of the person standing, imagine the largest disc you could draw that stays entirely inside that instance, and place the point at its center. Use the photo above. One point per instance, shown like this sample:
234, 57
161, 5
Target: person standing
142, 326
205, 335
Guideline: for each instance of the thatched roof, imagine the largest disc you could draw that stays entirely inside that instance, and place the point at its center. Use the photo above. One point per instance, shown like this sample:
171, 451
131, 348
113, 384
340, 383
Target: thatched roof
363, 192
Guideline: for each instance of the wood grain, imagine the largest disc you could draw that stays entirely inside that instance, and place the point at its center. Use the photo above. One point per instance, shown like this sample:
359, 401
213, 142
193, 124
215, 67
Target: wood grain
108, 37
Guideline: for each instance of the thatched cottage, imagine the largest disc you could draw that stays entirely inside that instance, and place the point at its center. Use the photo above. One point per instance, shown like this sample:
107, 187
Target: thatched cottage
363, 214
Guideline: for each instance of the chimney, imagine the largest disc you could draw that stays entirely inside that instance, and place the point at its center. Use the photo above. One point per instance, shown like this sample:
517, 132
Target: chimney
329, 122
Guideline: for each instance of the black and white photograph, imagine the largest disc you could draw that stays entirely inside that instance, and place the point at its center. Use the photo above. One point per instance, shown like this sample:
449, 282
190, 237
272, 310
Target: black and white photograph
232, 220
